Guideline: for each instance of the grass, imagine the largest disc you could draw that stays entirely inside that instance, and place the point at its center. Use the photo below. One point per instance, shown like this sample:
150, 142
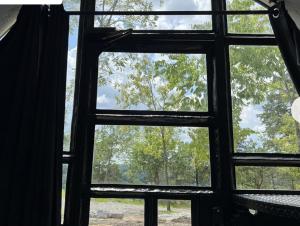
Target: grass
124, 201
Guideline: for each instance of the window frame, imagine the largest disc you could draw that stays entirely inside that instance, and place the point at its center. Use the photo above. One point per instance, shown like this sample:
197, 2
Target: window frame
94, 116
205, 202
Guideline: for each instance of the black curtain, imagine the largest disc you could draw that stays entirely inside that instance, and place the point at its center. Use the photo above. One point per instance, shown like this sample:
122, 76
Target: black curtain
288, 37
32, 83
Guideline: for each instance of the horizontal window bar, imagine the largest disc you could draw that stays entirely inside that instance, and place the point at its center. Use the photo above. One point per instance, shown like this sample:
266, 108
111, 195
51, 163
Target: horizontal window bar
243, 39
67, 157
144, 192
149, 112
189, 36
104, 33
232, 12
151, 187
153, 43
154, 120
172, 31
266, 161
267, 155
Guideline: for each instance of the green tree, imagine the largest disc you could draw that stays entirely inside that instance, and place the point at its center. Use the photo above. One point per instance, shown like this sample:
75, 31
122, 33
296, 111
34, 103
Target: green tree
109, 145
260, 78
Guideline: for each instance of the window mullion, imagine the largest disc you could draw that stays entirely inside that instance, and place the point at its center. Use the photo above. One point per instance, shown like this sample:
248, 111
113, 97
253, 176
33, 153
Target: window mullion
151, 210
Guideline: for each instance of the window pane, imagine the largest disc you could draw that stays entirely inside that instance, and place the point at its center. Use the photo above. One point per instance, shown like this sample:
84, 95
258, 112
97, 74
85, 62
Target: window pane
247, 23
279, 178
152, 81
151, 156
243, 5
153, 5
70, 83
262, 95
116, 212
63, 191
71, 5
174, 212
158, 22
154, 22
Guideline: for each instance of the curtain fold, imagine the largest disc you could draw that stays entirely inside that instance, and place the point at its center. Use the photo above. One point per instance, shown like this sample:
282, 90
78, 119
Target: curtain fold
288, 37
32, 91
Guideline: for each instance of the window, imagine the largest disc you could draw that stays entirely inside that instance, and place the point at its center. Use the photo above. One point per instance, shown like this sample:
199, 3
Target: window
175, 106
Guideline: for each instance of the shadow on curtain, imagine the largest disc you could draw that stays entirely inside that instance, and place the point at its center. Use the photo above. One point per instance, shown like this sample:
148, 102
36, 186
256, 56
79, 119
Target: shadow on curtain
32, 87
288, 37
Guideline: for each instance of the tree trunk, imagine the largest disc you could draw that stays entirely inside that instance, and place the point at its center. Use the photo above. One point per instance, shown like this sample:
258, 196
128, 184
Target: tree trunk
156, 177
168, 205
298, 135
166, 170
197, 177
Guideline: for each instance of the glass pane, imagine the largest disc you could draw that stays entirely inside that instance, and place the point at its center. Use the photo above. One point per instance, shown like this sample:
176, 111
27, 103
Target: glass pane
243, 5
262, 95
154, 22
279, 178
116, 212
153, 5
63, 191
251, 24
174, 212
71, 5
151, 156
152, 81
70, 85
158, 22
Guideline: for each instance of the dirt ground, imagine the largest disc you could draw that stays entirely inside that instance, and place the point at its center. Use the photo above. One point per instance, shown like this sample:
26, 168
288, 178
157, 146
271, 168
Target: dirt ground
133, 215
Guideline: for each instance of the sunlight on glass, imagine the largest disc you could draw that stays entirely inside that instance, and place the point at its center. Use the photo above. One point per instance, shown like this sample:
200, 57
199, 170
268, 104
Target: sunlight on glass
152, 22
174, 212
70, 81
262, 95
152, 81
151, 155
116, 212
63, 191
274, 178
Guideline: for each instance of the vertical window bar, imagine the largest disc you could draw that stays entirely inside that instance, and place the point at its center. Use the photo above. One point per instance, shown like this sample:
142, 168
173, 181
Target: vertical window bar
73, 215
92, 71
223, 133
151, 211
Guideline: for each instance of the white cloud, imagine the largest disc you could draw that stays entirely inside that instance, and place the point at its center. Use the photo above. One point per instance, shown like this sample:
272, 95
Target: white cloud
102, 99
250, 118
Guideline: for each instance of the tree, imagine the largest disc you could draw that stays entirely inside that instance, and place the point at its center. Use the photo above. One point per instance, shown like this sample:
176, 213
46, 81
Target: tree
109, 145
260, 78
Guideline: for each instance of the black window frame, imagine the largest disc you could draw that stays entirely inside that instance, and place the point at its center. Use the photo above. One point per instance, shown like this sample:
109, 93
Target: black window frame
207, 203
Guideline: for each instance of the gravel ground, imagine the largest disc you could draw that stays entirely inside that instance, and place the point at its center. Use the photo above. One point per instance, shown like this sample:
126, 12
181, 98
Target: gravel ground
122, 214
